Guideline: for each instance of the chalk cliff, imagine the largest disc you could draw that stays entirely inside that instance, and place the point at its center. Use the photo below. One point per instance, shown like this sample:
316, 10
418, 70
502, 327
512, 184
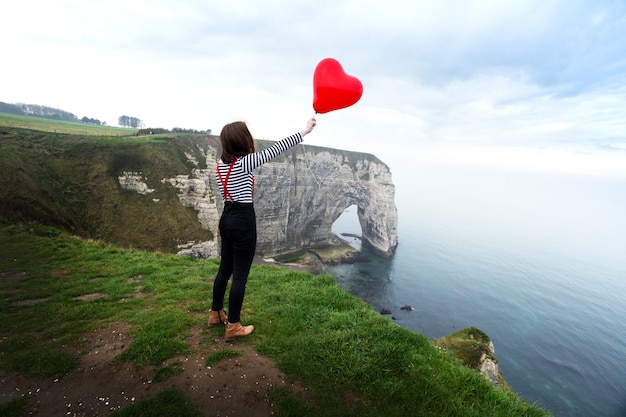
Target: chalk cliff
159, 192
298, 196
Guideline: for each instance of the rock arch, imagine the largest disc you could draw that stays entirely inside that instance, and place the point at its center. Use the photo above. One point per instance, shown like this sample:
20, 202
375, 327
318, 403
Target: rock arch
301, 194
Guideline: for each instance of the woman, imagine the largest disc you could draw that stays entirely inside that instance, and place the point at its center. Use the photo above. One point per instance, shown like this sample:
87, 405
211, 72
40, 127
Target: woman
238, 222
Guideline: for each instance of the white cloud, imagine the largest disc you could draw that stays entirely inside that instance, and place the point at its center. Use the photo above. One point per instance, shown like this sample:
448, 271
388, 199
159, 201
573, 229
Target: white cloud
546, 74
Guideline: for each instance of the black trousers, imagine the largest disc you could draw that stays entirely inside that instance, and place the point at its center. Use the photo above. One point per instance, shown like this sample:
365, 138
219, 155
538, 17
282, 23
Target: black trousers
238, 234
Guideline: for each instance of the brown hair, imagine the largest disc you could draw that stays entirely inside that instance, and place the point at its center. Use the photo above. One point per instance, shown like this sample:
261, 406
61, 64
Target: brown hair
236, 140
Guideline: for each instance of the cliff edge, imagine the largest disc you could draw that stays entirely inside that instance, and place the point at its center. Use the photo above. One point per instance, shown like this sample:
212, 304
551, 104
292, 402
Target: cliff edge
298, 196
158, 192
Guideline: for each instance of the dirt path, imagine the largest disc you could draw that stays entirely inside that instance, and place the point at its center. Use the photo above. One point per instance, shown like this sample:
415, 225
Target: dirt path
234, 387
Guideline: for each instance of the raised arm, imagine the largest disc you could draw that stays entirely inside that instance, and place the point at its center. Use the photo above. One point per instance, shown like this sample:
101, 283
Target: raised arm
256, 159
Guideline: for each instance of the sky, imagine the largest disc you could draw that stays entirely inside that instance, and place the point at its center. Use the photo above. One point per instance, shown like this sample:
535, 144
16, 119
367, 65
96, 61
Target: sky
534, 84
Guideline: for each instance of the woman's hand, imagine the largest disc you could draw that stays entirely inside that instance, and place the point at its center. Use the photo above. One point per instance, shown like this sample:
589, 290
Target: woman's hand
309, 126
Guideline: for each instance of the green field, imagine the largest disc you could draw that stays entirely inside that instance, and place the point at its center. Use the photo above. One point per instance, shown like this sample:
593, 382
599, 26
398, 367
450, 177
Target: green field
60, 126
70, 180
352, 360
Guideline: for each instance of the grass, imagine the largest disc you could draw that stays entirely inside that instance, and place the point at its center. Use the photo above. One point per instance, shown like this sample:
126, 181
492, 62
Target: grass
13, 408
71, 182
61, 126
167, 403
468, 345
215, 357
353, 361
165, 372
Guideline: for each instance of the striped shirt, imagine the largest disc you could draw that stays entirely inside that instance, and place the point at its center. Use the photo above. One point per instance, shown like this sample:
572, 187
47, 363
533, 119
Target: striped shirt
237, 183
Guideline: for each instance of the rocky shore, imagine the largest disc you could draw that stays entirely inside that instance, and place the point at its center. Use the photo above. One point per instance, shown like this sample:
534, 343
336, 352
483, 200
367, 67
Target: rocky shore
314, 259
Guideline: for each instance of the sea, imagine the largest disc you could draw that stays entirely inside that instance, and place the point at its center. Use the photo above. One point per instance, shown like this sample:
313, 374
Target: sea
537, 260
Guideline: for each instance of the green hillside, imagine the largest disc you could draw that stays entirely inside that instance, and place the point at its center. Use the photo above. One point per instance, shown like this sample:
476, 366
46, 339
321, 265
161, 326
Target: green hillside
347, 359
69, 180
60, 126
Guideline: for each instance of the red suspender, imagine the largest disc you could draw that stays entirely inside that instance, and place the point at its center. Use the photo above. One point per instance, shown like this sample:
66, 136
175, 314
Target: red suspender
224, 182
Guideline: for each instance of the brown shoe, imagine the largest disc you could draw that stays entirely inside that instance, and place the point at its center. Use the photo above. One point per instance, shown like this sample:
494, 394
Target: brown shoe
235, 330
217, 317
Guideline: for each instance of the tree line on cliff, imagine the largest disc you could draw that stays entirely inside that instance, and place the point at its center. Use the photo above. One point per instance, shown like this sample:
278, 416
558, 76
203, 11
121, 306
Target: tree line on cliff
47, 112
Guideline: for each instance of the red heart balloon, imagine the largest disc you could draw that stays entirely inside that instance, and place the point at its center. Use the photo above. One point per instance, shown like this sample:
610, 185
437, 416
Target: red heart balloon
333, 89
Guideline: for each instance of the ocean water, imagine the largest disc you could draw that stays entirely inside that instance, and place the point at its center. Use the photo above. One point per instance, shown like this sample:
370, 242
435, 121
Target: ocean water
536, 260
